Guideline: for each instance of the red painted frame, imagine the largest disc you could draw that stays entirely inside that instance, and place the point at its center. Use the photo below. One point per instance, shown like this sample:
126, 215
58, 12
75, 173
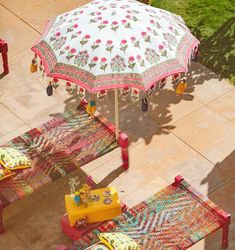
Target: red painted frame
225, 217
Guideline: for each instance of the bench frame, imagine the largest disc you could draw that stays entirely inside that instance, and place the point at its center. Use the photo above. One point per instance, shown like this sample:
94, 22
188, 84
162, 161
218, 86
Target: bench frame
226, 218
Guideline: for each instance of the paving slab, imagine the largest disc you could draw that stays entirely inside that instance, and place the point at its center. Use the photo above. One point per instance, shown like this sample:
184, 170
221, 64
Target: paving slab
205, 85
108, 162
19, 206
135, 177
145, 191
208, 133
11, 135
169, 156
11, 241
19, 74
43, 10
225, 105
39, 227
9, 121
166, 107
15, 32
30, 102
225, 198
192, 134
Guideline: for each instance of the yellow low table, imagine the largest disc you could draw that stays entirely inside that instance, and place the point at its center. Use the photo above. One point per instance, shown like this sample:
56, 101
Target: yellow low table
105, 208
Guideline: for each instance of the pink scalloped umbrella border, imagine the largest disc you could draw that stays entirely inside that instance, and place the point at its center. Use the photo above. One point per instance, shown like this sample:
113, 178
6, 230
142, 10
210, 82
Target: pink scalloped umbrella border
177, 67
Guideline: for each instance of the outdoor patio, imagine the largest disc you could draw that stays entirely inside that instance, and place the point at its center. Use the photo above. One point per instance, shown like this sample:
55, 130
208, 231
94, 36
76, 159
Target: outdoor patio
192, 135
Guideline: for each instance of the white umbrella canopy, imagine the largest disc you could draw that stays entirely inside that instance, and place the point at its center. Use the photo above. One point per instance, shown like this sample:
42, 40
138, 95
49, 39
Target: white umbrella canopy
111, 44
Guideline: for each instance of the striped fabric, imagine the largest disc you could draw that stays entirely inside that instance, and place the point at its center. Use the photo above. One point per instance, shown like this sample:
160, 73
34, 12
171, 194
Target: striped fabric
56, 148
174, 218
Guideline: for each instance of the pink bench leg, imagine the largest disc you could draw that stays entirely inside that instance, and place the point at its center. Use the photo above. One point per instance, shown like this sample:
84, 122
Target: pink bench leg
3, 50
225, 232
124, 143
2, 230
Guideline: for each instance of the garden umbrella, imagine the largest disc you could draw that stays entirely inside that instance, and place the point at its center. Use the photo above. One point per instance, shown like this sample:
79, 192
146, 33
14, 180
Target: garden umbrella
115, 44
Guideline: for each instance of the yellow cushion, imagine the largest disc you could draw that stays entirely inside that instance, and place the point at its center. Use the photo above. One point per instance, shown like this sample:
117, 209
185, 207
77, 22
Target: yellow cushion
13, 159
4, 173
118, 241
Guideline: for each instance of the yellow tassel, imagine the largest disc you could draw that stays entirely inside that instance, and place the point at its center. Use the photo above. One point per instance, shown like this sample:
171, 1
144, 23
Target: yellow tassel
181, 87
91, 107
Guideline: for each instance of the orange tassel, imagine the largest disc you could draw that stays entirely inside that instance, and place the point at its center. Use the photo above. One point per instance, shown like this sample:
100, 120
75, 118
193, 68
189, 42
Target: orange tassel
34, 65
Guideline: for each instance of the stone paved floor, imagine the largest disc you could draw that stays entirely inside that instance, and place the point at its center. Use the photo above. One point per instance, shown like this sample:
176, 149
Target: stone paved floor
192, 135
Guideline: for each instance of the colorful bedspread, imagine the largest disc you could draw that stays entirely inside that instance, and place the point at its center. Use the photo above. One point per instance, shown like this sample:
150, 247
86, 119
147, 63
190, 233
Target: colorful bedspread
175, 218
56, 148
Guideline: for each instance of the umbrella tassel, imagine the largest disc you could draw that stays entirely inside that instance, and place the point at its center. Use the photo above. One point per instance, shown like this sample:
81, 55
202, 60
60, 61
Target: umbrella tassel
91, 107
34, 64
144, 105
181, 87
49, 89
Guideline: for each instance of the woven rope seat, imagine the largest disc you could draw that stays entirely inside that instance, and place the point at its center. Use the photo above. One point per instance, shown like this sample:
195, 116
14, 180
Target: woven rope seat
171, 218
177, 217
56, 148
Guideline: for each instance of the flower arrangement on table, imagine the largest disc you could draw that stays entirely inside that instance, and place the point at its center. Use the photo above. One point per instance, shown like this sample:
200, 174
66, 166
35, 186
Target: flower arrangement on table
82, 195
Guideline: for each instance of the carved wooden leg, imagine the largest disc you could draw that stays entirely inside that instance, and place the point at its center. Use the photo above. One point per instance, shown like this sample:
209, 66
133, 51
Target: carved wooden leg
2, 230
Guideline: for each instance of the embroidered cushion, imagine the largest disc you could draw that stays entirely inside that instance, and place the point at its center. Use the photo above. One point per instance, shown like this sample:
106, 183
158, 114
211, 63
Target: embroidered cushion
4, 173
13, 159
118, 241
98, 246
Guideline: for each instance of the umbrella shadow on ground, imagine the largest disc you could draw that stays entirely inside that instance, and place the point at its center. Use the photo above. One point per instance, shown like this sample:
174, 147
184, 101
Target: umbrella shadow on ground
144, 125
224, 197
158, 119
198, 75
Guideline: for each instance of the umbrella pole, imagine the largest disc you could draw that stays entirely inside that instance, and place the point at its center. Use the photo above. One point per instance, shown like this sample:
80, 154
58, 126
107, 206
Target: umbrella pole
116, 113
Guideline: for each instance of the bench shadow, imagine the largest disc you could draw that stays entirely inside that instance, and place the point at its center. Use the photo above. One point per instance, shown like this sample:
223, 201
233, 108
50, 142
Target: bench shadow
224, 197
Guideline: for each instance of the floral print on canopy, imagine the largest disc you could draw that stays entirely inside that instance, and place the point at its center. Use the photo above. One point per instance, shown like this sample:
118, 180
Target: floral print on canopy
118, 63
81, 59
108, 37
151, 56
